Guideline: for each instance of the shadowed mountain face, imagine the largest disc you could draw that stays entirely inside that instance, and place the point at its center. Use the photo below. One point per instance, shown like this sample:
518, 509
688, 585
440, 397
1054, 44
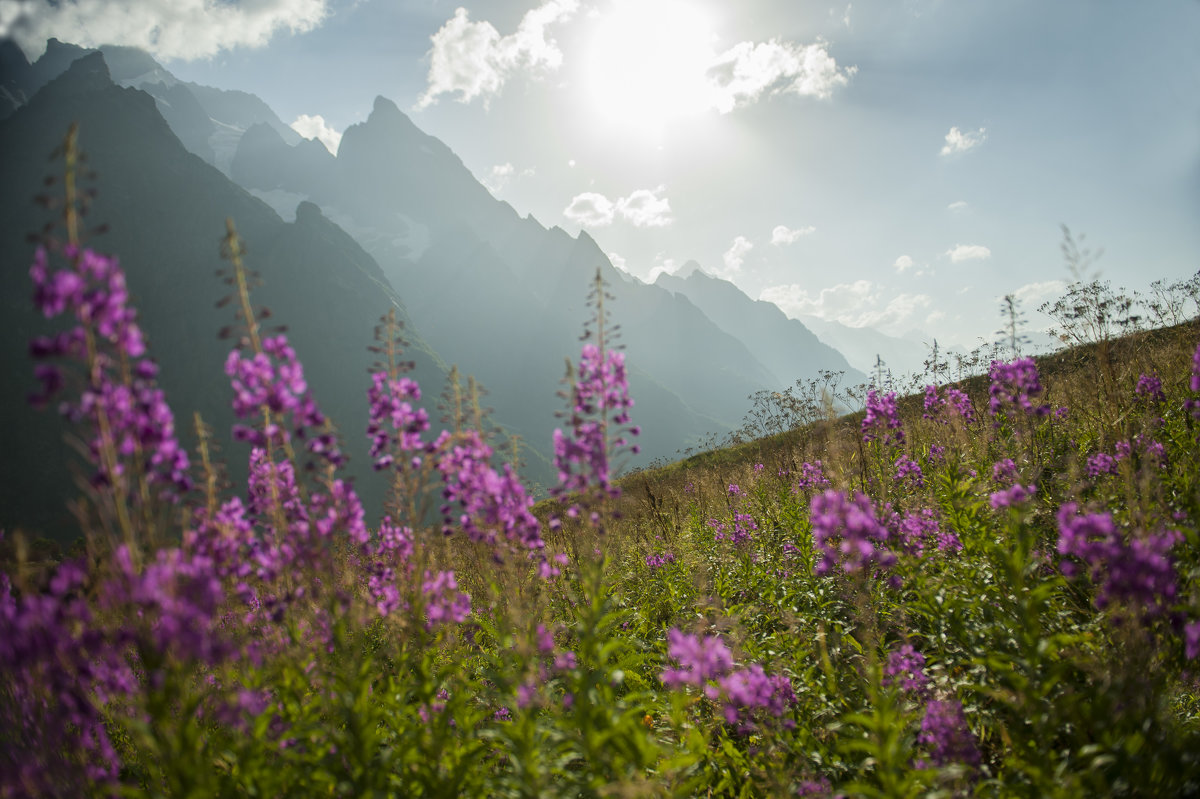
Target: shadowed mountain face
167, 211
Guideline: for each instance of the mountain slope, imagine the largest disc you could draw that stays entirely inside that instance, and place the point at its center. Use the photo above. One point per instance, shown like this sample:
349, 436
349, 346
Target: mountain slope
788, 348
502, 296
167, 208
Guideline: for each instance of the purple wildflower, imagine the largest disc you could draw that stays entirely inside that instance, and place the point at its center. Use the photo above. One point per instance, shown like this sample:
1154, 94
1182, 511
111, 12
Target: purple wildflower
1195, 382
1014, 495
812, 476
489, 503
915, 529
656, 562
1138, 573
700, 659
1004, 472
956, 400
1102, 463
1191, 640
444, 602
1014, 387
882, 417
599, 401
1150, 389
273, 380
394, 424
751, 689
906, 670
847, 533
946, 736
133, 428
908, 471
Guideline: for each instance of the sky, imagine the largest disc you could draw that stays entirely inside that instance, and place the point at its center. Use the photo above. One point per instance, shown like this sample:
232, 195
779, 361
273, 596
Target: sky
895, 163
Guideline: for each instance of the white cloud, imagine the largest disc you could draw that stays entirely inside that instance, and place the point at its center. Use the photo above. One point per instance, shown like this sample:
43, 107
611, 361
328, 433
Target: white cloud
473, 60
968, 252
959, 142
501, 175
958, 206
748, 70
782, 234
642, 208
1032, 293
735, 256
857, 304
618, 261
590, 209
167, 29
314, 127
903, 263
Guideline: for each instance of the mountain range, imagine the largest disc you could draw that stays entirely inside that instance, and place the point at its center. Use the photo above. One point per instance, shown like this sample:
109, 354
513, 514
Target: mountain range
394, 220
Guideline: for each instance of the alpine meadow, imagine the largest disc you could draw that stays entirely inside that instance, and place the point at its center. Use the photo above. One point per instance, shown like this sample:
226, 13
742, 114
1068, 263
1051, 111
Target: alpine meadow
298, 499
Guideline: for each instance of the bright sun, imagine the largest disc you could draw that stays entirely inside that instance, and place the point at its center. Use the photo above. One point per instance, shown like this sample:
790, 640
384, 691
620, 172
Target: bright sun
646, 64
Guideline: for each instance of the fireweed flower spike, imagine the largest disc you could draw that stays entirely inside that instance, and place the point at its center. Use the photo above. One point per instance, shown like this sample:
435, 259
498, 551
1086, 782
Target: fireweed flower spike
1014, 387
600, 425
484, 503
848, 534
1137, 573
882, 418
133, 429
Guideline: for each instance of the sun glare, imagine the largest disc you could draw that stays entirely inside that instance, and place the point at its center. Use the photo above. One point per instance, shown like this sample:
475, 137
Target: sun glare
646, 64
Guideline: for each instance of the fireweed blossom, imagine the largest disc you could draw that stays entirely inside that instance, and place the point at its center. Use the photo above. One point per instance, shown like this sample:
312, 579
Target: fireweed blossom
384, 559
1014, 387
394, 424
1149, 390
946, 736
656, 562
58, 664
484, 503
600, 404
746, 692
882, 418
908, 472
955, 400
920, 528
133, 428
848, 534
699, 659
1013, 496
706, 660
1192, 405
273, 381
812, 477
905, 669
1004, 472
444, 603
1137, 573
1101, 464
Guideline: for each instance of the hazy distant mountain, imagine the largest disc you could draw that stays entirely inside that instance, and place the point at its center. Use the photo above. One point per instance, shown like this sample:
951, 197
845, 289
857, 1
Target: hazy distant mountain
502, 296
166, 208
210, 122
789, 349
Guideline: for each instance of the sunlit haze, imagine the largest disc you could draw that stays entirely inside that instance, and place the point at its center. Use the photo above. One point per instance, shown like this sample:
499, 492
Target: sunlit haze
901, 165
